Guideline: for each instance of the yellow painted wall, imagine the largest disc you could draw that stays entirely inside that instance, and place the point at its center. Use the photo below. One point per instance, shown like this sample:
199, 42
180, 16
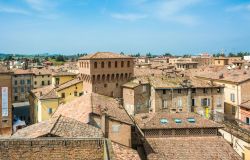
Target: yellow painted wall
69, 92
247, 153
43, 107
39, 78
62, 79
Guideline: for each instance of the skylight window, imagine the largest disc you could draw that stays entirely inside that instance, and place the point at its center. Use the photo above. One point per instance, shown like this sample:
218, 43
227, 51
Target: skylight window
164, 121
191, 120
177, 120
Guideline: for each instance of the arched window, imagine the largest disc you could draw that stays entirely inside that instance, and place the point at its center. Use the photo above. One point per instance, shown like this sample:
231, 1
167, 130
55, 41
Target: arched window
112, 77
98, 77
84, 64
93, 78
121, 77
122, 64
87, 64
108, 77
109, 64
128, 64
126, 75
115, 64
103, 77
117, 76
102, 64
95, 65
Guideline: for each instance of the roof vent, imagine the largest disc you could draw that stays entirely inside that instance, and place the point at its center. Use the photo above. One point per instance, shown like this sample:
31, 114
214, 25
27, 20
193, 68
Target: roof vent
191, 120
177, 120
164, 121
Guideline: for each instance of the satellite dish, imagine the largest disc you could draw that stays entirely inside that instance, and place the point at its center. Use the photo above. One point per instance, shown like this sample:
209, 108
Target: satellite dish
229, 68
233, 66
246, 67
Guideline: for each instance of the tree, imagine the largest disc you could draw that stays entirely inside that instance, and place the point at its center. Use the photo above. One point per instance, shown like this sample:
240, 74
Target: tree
60, 58
167, 54
149, 55
121, 53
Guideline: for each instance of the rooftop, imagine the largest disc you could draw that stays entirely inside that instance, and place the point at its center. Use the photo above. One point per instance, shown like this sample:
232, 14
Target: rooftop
22, 71
59, 126
123, 153
82, 106
46, 92
245, 104
173, 120
61, 73
190, 148
104, 55
68, 84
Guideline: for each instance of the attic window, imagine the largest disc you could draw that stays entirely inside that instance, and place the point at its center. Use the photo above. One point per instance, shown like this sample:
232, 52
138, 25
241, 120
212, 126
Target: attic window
191, 120
164, 121
177, 120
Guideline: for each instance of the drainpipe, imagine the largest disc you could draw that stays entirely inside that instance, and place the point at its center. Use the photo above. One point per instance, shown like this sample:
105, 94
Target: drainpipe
189, 99
238, 109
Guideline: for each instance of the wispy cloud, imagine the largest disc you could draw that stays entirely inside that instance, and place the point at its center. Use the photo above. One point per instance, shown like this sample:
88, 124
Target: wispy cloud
128, 16
241, 7
13, 10
41, 5
165, 10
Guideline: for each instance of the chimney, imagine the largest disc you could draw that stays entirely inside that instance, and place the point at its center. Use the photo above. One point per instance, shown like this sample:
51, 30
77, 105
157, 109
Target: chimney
104, 122
221, 76
41, 94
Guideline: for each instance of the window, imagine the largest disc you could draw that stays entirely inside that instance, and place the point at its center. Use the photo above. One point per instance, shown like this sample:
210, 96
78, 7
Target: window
177, 120
128, 64
28, 81
193, 102
75, 93
248, 120
115, 64
144, 88
35, 82
115, 128
22, 89
48, 82
180, 103
193, 90
116, 85
22, 82
28, 89
164, 104
49, 110
191, 120
15, 89
205, 102
42, 83
164, 121
102, 64
63, 95
95, 65
164, 91
218, 90
219, 102
42, 76
15, 82
204, 90
232, 97
109, 64
122, 64
16, 98
48, 75
57, 81
179, 91
105, 85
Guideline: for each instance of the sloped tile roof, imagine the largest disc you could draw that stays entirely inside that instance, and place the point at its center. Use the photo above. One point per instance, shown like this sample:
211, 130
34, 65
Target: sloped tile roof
104, 55
68, 84
190, 148
153, 121
82, 106
124, 153
59, 126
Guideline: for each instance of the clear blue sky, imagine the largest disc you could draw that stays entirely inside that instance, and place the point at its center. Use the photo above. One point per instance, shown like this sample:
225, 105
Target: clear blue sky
131, 26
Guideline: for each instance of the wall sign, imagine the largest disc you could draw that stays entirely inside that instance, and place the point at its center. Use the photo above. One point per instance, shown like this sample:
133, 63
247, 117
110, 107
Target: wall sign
4, 101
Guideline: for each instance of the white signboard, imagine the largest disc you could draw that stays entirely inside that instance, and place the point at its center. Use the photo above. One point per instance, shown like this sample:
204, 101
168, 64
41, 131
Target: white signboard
4, 101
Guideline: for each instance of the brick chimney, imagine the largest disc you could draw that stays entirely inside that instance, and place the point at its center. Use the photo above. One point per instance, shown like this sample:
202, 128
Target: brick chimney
104, 122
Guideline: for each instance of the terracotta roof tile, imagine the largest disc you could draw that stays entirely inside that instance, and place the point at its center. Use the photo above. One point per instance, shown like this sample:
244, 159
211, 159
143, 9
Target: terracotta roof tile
59, 126
153, 121
124, 153
82, 106
190, 148
103, 55
68, 84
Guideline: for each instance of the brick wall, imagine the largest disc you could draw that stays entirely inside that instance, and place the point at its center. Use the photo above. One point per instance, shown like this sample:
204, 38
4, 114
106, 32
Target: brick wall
52, 149
6, 122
